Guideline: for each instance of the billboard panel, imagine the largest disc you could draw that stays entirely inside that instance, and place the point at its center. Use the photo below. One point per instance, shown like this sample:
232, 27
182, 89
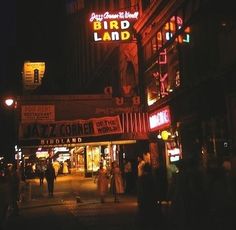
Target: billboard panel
33, 73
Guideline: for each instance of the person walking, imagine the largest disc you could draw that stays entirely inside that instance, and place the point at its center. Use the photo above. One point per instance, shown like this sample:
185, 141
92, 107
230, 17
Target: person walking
117, 184
41, 174
50, 178
102, 182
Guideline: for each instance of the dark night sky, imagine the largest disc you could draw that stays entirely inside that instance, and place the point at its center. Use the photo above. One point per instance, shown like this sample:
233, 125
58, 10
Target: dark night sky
7, 54
8, 39
30, 30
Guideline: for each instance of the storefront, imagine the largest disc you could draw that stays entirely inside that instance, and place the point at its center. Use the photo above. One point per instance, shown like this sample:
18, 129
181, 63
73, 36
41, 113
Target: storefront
165, 144
90, 139
187, 70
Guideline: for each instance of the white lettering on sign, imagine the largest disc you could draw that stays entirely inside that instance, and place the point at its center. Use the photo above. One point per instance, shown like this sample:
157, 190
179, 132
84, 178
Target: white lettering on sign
160, 119
37, 113
119, 15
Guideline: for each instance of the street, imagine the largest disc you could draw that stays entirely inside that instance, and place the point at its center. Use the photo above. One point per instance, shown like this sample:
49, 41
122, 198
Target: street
75, 205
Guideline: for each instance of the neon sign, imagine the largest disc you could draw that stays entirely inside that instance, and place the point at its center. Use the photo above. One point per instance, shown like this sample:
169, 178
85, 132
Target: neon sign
109, 27
185, 38
160, 119
163, 79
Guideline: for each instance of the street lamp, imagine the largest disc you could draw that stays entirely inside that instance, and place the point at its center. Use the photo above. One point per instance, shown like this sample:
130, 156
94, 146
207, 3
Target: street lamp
10, 121
10, 102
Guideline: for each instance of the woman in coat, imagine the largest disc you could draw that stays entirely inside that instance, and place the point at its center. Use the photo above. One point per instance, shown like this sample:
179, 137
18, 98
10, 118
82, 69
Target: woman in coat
117, 184
102, 183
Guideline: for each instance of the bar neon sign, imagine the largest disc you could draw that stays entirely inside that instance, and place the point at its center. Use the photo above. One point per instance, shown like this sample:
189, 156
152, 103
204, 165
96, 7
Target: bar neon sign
160, 119
110, 27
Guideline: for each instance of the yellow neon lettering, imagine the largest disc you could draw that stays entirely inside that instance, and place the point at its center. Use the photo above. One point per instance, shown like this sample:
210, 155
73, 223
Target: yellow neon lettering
125, 35
114, 25
106, 37
97, 25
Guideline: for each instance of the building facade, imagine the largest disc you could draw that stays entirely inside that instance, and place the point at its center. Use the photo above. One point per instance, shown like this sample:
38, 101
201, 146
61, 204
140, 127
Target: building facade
176, 66
86, 129
186, 55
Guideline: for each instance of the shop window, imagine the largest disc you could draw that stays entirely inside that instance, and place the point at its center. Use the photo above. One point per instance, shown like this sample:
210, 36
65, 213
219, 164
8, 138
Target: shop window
93, 157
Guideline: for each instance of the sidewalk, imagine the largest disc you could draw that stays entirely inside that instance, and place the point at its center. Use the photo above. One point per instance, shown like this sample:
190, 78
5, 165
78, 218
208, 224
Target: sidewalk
76, 203
72, 190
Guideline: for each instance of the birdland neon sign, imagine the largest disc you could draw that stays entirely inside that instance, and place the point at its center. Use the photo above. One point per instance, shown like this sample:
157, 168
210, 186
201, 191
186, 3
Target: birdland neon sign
110, 27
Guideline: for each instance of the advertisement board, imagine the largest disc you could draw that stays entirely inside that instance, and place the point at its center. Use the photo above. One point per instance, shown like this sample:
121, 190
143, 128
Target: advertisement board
33, 72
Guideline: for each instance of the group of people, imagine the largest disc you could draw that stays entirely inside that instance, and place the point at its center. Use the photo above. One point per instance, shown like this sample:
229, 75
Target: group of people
119, 180
114, 177
41, 169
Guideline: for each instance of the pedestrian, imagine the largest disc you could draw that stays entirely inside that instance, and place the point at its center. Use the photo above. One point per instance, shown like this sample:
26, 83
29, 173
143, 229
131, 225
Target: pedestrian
65, 168
13, 180
140, 173
41, 173
161, 183
50, 177
4, 199
128, 174
102, 179
148, 211
56, 166
117, 184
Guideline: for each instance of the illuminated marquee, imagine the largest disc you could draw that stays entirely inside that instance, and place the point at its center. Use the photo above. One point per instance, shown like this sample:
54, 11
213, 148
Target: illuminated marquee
110, 27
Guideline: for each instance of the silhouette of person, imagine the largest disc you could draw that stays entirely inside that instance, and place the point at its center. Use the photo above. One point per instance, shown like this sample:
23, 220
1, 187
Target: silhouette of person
50, 178
128, 176
14, 188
